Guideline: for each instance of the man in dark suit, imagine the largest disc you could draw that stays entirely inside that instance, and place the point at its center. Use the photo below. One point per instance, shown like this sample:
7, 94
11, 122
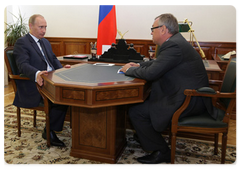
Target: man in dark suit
35, 58
177, 67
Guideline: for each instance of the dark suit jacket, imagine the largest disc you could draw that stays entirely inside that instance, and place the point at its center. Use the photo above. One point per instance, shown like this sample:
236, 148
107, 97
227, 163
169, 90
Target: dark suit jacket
29, 60
178, 67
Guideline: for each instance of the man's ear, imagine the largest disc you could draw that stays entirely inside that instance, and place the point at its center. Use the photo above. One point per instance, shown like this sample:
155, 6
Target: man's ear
30, 26
164, 29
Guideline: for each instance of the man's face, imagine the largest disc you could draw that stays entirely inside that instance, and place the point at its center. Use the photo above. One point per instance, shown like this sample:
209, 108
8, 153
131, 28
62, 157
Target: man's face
156, 32
38, 29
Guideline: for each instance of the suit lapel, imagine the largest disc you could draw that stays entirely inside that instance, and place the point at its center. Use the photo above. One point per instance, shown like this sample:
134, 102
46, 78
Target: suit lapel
46, 54
35, 46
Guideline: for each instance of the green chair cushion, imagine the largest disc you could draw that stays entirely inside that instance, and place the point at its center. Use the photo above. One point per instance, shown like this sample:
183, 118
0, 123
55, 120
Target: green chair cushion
204, 120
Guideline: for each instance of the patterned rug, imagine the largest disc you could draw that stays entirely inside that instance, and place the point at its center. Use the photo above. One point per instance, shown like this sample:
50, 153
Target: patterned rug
31, 148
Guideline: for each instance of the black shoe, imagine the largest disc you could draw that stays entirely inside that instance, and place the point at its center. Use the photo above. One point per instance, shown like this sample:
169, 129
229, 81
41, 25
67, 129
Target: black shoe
156, 157
53, 138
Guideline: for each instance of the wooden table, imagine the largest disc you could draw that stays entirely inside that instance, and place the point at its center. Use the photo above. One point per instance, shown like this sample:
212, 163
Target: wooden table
213, 70
98, 96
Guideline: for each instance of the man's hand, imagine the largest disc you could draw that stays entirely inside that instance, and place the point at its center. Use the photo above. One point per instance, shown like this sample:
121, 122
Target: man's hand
128, 65
39, 78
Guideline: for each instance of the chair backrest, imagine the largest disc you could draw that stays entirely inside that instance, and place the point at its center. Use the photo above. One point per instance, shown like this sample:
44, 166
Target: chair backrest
10, 61
229, 79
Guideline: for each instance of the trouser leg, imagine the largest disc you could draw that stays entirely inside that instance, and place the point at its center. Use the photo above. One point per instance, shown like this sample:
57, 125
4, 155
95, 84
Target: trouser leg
57, 116
150, 139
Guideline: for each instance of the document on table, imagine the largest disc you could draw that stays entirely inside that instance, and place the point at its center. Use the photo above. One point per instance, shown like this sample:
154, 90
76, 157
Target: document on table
103, 64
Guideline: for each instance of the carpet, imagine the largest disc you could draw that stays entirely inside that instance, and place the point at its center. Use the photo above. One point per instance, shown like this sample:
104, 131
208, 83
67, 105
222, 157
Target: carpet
31, 148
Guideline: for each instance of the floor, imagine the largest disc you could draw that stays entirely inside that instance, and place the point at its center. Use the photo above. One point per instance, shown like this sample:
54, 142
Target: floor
9, 96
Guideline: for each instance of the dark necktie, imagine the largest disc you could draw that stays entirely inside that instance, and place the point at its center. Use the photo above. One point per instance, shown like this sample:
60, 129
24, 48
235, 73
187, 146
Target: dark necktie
49, 65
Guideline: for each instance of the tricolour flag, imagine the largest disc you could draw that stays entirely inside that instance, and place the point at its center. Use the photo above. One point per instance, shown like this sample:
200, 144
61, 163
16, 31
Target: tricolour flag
107, 28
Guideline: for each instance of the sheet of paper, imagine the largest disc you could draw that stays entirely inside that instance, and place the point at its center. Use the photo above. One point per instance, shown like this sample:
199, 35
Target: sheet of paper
103, 64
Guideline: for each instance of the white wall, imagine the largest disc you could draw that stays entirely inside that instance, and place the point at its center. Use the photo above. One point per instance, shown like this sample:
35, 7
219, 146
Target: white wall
211, 23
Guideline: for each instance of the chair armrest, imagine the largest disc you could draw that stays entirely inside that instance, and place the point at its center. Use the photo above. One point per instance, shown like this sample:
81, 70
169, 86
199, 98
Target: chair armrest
18, 77
203, 92
207, 90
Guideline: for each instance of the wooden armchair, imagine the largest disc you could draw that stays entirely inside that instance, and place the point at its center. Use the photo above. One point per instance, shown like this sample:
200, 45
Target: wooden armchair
14, 75
205, 123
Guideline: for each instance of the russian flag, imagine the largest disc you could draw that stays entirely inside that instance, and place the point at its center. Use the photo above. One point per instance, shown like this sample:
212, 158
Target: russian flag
107, 28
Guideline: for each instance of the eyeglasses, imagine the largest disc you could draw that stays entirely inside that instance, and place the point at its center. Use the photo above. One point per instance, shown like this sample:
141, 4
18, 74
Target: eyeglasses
156, 27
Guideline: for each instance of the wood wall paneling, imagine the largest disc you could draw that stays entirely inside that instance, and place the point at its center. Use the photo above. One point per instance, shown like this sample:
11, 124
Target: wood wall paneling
139, 48
221, 50
211, 48
76, 47
64, 46
56, 47
207, 51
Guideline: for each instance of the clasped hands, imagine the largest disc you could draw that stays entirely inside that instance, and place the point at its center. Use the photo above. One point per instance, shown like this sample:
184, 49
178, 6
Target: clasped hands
128, 65
40, 79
